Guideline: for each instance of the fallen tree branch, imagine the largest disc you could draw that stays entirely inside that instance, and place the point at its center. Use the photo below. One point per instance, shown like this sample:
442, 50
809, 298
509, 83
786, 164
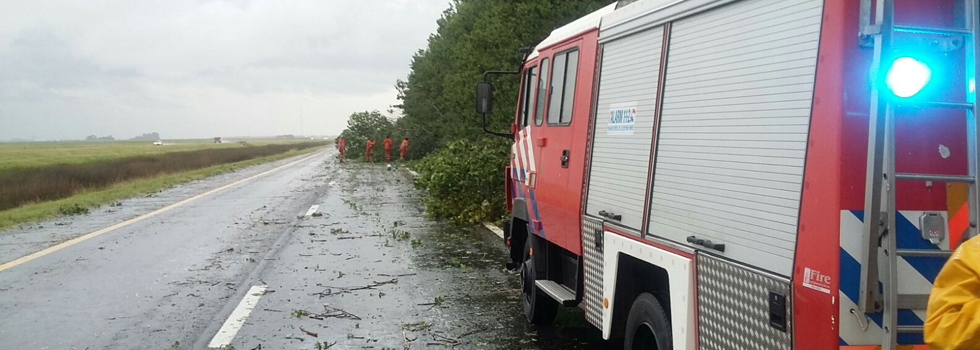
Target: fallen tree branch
399, 275
330, 311
340, 290
445, 340
312, 334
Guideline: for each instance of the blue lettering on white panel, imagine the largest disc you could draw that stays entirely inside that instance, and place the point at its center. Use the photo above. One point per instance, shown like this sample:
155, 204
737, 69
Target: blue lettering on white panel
622, 119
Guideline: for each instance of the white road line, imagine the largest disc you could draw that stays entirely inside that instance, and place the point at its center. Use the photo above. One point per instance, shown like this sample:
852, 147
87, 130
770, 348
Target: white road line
69, 243
237, 318
410, 171
312, 210
493, 228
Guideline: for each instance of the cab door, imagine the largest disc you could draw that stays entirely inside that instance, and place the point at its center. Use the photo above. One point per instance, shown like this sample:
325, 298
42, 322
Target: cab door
551, 136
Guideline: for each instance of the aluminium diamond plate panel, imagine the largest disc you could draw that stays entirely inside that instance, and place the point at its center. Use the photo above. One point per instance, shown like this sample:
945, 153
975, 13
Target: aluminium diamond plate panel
592, 248
733, 307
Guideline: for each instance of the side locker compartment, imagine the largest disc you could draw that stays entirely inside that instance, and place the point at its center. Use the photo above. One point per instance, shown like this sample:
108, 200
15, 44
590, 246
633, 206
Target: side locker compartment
623, 131
733, 130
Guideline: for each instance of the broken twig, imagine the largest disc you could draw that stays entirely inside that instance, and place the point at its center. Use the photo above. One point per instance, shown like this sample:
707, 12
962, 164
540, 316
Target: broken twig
330, 311
340, 290
399, 275
312, 334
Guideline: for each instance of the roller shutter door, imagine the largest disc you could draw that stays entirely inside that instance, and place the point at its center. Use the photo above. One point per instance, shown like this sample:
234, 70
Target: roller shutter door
732, 141
625, 109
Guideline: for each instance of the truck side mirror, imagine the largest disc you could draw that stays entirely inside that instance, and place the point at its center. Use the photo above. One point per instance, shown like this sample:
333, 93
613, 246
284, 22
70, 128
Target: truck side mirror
484, 97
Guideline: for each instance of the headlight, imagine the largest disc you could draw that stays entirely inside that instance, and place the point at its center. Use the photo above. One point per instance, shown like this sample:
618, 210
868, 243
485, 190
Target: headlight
907, 76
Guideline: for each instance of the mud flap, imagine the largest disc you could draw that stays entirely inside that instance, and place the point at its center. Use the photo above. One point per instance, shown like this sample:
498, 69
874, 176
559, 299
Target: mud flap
514, 239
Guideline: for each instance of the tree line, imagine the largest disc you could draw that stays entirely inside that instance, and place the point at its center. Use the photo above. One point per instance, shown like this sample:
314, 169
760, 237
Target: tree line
461, 168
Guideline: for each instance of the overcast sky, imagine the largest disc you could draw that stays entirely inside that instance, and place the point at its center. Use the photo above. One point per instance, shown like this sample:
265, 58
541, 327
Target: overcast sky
197, 69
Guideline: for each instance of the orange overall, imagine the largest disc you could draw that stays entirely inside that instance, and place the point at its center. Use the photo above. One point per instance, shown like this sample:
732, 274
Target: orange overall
404, 147
340, 147
387, 145
370, 144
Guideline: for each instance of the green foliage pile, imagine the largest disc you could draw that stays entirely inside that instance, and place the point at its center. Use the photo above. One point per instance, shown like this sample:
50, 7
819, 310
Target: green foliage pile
462, 182
463, 167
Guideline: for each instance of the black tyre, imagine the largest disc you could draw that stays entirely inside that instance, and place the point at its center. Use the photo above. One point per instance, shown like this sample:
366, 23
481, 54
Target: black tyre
647, 327
539, 308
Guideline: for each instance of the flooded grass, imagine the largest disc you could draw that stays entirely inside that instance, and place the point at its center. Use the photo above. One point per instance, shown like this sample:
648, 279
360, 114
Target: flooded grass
19, 186
112, 194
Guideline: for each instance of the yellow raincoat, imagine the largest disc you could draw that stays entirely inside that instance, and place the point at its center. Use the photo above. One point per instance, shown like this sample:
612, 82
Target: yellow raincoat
953, 315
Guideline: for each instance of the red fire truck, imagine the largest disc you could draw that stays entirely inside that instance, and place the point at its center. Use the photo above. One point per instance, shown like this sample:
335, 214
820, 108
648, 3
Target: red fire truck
745, 174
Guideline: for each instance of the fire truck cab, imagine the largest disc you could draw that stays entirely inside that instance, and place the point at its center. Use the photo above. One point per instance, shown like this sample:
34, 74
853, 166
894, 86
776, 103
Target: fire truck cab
746, 174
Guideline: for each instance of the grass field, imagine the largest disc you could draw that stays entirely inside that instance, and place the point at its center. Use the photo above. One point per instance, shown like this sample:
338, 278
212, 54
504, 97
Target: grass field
34, 154
68, 178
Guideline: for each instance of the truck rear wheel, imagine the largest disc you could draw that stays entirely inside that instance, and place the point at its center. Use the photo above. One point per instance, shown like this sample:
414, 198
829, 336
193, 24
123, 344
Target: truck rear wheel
539, 308
647, 327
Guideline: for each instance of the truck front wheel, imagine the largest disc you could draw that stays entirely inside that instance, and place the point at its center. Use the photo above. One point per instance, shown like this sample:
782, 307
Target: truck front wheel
647, 327
539, 308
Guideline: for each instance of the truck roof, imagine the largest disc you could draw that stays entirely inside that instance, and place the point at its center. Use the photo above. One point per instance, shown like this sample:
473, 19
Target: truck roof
589, 21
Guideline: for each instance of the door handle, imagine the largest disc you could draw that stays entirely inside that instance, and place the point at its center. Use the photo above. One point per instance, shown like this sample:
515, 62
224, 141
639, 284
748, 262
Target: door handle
564, 158
610, 215
706, 243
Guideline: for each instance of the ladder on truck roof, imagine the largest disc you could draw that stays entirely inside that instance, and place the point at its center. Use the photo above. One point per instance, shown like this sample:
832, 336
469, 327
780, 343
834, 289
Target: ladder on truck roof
880, 233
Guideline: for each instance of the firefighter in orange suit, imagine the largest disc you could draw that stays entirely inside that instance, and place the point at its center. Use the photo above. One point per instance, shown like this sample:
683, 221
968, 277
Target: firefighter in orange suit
370, 144
953, 315
404, 147
387, 146
340, 147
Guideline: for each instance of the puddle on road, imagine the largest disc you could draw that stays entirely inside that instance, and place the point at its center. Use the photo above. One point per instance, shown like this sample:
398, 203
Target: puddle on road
475, 300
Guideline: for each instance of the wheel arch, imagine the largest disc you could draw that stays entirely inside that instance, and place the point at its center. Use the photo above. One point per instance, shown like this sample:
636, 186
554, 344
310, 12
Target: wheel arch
633, 266
636, 277
518, 231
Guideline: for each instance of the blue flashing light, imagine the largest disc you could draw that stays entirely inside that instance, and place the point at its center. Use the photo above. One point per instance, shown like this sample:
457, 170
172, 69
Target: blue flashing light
907, 76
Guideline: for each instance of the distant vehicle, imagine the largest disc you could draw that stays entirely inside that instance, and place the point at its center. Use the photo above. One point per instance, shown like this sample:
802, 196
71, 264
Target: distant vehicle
217, 140
158, 143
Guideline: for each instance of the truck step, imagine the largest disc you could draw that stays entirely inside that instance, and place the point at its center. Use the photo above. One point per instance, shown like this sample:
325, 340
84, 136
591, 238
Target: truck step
557, 291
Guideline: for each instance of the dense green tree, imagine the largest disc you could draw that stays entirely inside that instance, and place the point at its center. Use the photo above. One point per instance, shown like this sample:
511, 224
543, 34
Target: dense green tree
474, 36
362, 126
437, 99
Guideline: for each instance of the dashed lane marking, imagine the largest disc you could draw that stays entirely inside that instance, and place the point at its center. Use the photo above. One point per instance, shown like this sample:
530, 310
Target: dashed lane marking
237, 318
311, 211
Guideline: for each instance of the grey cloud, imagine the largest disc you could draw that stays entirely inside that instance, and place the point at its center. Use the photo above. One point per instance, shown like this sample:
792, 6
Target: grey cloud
45, 58
192, 68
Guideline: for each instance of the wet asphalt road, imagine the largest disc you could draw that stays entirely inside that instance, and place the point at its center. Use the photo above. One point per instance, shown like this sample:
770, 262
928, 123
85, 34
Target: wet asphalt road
368, 270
